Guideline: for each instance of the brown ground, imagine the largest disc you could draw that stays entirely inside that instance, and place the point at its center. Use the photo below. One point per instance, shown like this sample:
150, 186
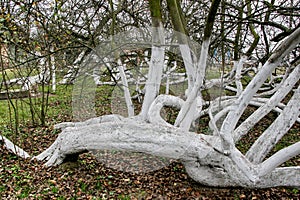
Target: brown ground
91, 179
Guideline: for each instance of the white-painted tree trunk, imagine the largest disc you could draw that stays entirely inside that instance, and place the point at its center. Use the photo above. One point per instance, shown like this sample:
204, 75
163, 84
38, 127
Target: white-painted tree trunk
53, 70
269, 105
238, 75
201, 154
264, 144
213, 159
189, 108
155, 70
188, 59
129, 104
14, 148
243, 100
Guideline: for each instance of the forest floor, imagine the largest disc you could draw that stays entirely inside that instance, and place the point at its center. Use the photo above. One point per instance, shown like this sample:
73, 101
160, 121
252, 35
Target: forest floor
91, 178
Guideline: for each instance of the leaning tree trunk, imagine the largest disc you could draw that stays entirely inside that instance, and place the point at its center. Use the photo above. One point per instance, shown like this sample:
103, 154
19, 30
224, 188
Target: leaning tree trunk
209, 159
201, 154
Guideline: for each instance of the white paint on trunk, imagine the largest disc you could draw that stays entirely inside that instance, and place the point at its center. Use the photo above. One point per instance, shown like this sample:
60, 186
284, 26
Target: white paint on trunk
53, 70
189, 108
124, 134
278, 158
155, 70
264, 144
129, 104
14, 148
158, 104
189, 65
238, 74
269, 105
211, 160
199, 153
241, 103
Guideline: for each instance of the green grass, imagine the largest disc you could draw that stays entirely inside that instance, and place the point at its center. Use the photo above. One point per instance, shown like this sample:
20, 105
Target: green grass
58, 110
212, 73
18, 72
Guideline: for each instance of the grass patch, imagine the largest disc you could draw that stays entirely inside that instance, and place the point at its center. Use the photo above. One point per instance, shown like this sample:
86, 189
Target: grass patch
27, 111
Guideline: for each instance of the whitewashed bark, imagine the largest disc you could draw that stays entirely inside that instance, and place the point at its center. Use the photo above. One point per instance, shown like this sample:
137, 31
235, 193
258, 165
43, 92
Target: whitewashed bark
138, 88
96, 120
215, 175
264, 144
44, 70
233, 116
216, 105
216, 112
125, 134
72, 72
219, 82
278, 158
155, 70
270, 92
167, 83
238, 75
215, 117
201, 154
189, 108
129, 104
158, 104
189, 62
14, 148
209, 159
217, 170
286, 87
53, 70
168, 73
